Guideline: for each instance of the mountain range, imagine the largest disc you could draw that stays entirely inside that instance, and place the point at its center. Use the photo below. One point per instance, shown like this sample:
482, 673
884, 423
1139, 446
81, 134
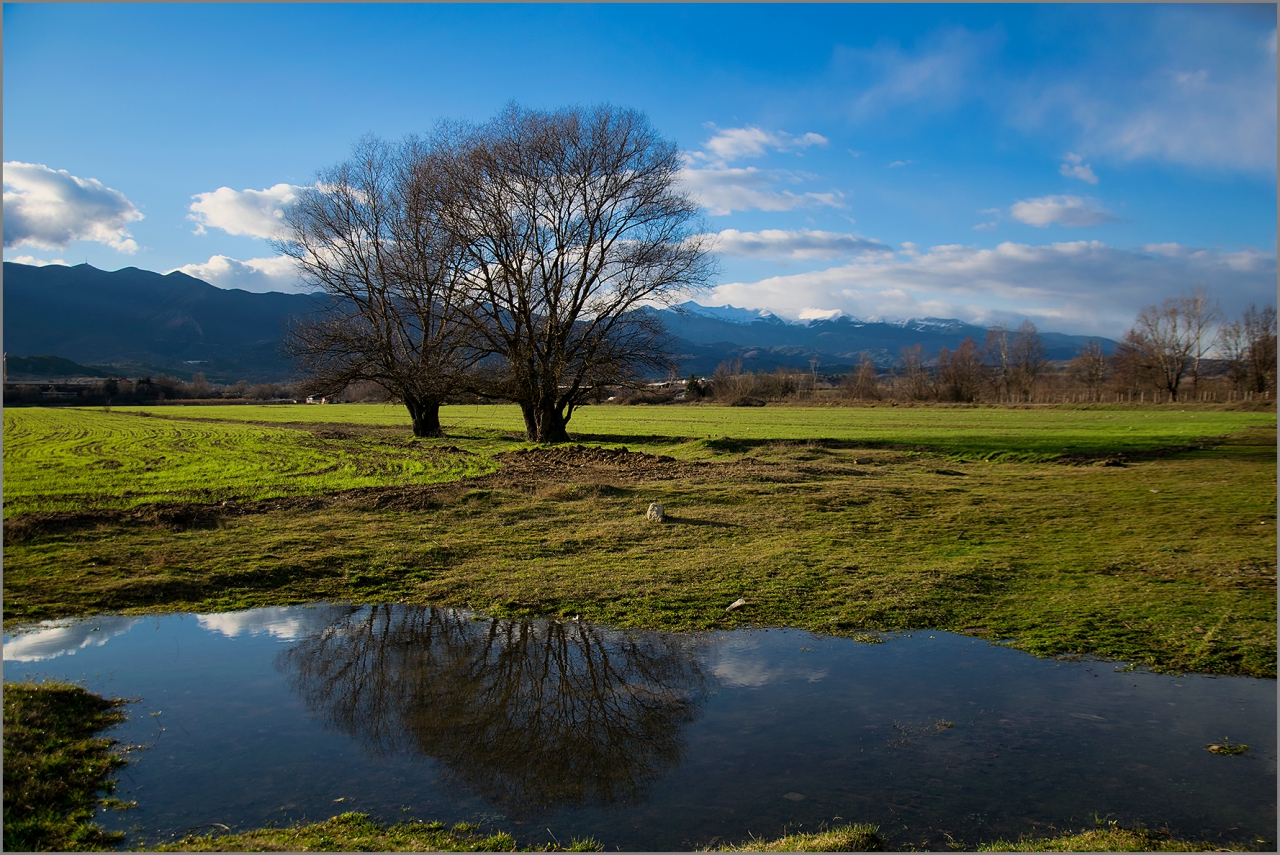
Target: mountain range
137, 321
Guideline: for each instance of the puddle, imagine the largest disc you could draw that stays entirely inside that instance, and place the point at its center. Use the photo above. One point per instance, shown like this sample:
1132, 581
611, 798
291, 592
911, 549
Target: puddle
646, 740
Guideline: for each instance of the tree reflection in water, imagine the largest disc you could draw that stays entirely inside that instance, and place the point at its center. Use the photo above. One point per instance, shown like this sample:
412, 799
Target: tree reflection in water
527, 714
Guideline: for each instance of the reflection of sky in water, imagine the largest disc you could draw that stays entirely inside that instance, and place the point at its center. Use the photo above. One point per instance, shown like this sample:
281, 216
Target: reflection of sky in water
64, 638
283, 622
296, 713
742, 664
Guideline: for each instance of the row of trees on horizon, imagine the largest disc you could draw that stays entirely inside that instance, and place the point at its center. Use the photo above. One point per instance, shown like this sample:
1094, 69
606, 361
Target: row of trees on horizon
1181, 348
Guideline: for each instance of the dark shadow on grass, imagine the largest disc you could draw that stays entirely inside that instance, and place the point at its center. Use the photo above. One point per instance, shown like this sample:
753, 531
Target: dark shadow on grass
669, 519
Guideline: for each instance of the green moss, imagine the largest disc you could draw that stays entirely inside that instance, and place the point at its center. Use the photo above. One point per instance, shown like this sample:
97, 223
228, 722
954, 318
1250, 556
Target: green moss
1110, 838
843, 838
55, 769
356, 832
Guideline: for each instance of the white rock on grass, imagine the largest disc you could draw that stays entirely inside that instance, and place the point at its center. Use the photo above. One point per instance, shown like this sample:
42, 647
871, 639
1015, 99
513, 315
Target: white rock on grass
654, 514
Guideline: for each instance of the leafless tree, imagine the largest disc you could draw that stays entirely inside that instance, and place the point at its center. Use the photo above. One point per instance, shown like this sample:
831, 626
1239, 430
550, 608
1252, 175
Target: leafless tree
961, 372
571, 222
999, 358
916, 379
1160, 338
368, 235
1234, 348
1200, 313
1027, 360
862, 385
1090, 368
1163, 340
1260, 335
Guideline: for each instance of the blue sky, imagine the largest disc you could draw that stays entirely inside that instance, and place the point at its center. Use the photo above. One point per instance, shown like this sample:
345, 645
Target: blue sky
1068, 163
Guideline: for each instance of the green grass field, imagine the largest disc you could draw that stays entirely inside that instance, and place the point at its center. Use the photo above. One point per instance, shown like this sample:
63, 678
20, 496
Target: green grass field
1032, 433
70, 460
843, 520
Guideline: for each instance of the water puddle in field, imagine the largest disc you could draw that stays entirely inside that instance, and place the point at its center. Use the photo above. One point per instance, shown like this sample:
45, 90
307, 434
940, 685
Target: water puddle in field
651, 741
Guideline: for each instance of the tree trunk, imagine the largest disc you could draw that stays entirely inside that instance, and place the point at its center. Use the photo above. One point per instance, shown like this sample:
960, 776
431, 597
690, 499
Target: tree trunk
544, 422
425, 416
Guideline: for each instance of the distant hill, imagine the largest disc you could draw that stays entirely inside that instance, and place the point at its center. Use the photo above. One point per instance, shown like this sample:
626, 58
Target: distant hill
707, 336
137, 318
135, 322
24, 367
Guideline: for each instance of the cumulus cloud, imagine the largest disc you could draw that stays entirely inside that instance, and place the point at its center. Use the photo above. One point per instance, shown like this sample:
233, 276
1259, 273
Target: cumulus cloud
258, 275
723, 191
1085, 287
779, 243
1076, 168
1063, 210
256, 213
65, 637
730, 144
50, 208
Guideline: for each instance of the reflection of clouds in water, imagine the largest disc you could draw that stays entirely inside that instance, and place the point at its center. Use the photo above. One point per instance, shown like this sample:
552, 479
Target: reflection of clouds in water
288, 623
741, 664
57, 638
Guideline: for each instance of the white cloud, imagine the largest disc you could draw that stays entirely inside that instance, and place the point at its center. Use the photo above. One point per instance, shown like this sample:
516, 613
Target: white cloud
1083, 287
256, 213
1206, 98
779, 243
65, 637
937, 74
723, 191
258, 275
1063, 210
50, 208
1076, 168
994, 213
284, 622
897, 163
36, 262
730, 144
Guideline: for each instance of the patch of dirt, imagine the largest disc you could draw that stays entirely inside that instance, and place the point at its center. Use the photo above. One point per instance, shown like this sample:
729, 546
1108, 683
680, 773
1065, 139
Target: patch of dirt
542, 464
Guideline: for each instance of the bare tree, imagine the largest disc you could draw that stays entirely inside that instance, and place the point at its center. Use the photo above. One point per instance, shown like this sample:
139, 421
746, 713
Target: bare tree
999, 358
961, 372
1234, 348
1090, 368
1027, 360
1260, 334
916, 379
1161, 341
1200, 314
571, 222
862, 385
368, 235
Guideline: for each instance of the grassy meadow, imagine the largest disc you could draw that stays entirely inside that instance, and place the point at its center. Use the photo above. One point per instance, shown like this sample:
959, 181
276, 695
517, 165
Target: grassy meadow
1145, 534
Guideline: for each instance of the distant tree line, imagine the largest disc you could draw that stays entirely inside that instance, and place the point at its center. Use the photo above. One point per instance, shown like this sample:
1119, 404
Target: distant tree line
1181, 349
144, 389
